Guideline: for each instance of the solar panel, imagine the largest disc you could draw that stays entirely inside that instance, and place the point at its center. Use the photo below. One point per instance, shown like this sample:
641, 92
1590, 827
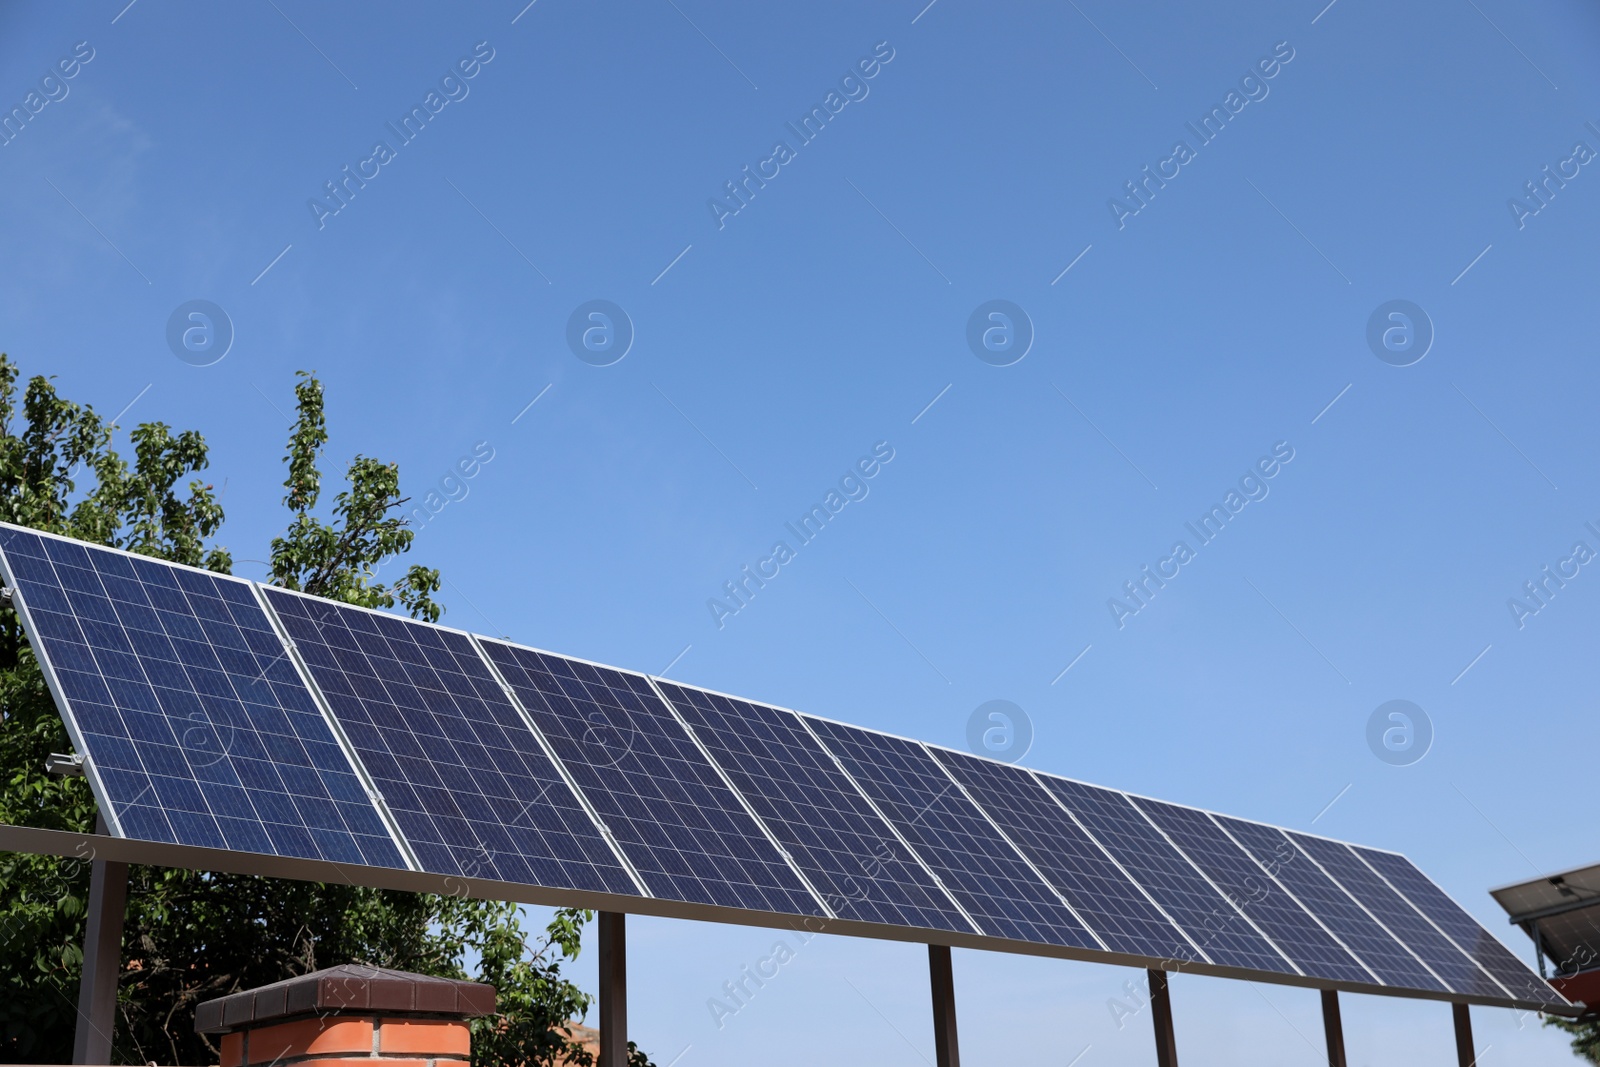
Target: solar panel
1274, 911
197, 728
982, 870
1339, 912
1215, 925
671, 814
215, 713
465, 778
1569, 939
1463, 929
1567, 905
1100, 892
1457, 972
846, 850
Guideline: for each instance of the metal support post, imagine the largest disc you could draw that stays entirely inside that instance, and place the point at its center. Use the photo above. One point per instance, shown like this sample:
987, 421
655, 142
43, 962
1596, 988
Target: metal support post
102, 960
1161, 1015
947, 1052
1333, 1027
613, 990
1465, 1055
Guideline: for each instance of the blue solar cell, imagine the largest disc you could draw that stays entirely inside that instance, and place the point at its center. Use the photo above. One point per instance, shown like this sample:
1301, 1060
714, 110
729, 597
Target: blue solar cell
995, 886
1278, 915
472, 790
197, 728
843, 847
1339, 912
1103, 896
1401, 919
1211, 922
1460, 927
669, 811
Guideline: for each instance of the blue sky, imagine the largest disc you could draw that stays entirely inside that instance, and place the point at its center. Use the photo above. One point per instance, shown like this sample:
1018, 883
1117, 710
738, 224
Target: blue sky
775, 347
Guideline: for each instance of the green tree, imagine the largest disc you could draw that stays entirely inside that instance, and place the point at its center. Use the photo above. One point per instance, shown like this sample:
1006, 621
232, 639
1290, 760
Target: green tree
191, 936
1585, 1036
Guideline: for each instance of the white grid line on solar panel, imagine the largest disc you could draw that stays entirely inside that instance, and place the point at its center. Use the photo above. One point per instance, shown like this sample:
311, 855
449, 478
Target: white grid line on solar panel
1043, 776
812, 715
850, 854
1465, 932
1333, 841
1395, 921
1459, 972
333, 725
1061, 777
219, 695
1339, 912
867, 797
1275, 912
994, 886
1226, 894
340, 737
1083, 828
143, 649
1224, 933
744, 801
666, 807
1104, 896
16, 598
1001, 835
471, 788
560, 768
882, 819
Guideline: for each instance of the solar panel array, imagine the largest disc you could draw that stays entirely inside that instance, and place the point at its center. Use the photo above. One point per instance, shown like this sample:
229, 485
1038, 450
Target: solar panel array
215, 712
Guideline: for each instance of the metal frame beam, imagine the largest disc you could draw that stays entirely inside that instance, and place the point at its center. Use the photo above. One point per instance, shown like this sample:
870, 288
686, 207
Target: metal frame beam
613, 990
946, 1049
102, 961
1555, 909
197, 858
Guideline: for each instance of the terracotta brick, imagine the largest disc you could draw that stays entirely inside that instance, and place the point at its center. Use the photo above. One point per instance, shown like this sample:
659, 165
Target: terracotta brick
450, 1063
359, 1062
433, 1038
307, 1037
232, 1050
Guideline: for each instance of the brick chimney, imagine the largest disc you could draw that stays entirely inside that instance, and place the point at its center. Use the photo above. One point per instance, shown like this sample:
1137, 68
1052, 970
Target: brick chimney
348, 1016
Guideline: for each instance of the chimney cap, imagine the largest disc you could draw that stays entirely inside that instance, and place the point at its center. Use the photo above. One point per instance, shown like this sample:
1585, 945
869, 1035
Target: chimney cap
345, 990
